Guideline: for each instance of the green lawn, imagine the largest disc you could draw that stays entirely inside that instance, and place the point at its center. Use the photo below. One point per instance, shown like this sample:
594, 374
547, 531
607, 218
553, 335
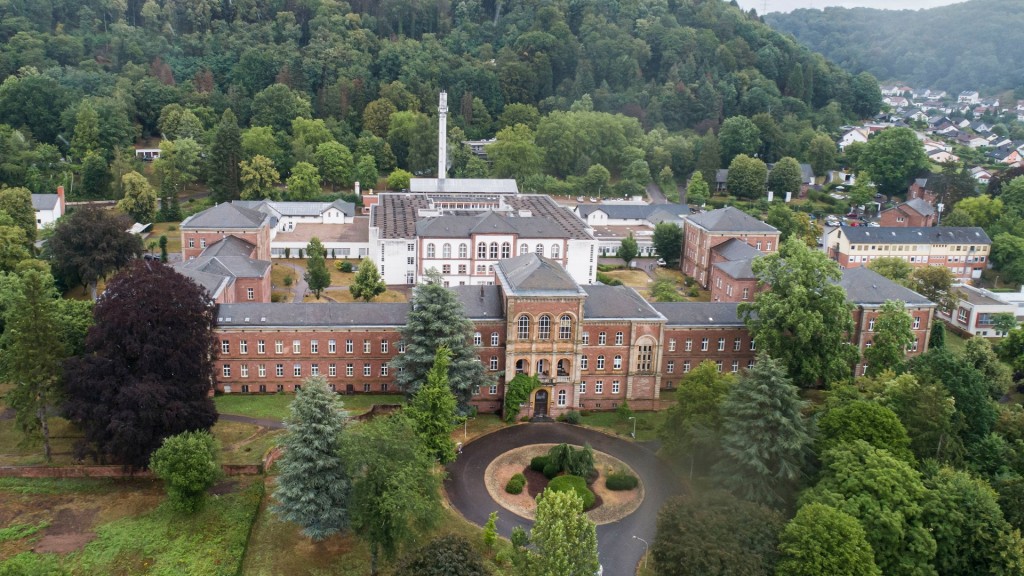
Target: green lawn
647, 423
275, 406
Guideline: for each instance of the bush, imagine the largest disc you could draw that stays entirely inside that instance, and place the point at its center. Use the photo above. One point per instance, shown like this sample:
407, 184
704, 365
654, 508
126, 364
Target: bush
623, 411
567, 459
621, 481
538, 463
571, 417
694, 292
187, 463
288, 280
570, 483
345, 267
276, 297
515, 484
608, 280
551, 470
172, 228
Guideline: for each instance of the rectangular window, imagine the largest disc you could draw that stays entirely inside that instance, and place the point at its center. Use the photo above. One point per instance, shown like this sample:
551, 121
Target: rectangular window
871, 325
244, 370
279, 346
670, 367
225, 347
493, 389
586, 338
349, 370
446, 269
261, 370
600, 362
617, 363
917, 322
615, 386
689, 344
279, 370
383, 369
366, 346
645, 358
599, 387
721, 344
753, 346
583, 387
671, 344
243, 346
296, 347
602, 339
250, 294
618, 338
314, 346
961, 314
704, 345
746, 293
462, 269
296, 369
314, 370
367, 371
348, 347
561, 397
332, 346
494, 363
191, 242
366, 387
261, 346
584, 362
737, 344
735, 366
494, 339
384, 346
227, 371
686, 366
332, 369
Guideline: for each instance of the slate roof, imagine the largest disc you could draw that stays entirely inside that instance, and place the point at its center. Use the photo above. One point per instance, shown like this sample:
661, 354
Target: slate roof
44, 201
736, 249
738, 269
916, 235
686, 314
731, 219
463, 186
920, 206
351, 314
977, 297
605, 302
226, 216
480, 302
535, 275
868, 288
222, 262
636, 211
297, 208
489, 222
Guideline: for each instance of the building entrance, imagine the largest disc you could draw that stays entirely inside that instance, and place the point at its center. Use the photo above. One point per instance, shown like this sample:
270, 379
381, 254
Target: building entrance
540, 404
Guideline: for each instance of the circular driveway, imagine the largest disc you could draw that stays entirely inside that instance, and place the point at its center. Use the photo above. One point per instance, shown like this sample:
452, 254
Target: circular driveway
619, 552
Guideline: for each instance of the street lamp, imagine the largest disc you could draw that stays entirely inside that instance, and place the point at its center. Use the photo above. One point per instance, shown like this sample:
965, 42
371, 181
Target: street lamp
633, 433
646, 546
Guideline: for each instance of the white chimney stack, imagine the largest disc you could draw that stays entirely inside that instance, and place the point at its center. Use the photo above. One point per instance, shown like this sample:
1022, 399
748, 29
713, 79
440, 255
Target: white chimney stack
442, 136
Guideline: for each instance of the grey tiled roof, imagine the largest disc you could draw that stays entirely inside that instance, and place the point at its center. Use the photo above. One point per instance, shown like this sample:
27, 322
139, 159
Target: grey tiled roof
738, 269
480, 302
685, 314
489, 223
384, 314
44, 201
605, 302
916, 235
636, 211
225, 216
736, 249
531, 274
212, 283
731, 219
297, 208
463, 186
920, 206
866, 287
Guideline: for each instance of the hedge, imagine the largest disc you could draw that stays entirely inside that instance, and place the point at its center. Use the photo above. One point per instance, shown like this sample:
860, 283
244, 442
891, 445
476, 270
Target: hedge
621, 481
570, 483
515, 484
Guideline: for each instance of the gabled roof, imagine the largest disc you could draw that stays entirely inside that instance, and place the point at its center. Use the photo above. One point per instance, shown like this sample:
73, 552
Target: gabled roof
535, 275
618, 302
920, 206
480, 302
45, 201
731, 219
464, 226
287, 315
687, 314
297, 209
736, 249
868, 288
226, 216
915, 235
650, 212
738, 269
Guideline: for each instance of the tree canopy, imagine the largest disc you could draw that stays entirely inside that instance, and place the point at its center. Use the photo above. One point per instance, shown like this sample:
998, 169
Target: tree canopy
89, 244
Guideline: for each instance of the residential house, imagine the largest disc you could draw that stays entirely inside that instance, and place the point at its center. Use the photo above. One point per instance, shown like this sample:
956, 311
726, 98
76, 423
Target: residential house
975, 308
852, 136
981, 175
703, 232
964, 250
912, 213
48, 207
969, 97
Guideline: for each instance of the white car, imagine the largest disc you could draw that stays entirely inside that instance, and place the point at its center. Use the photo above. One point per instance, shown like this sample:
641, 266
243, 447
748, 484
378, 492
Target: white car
662, 263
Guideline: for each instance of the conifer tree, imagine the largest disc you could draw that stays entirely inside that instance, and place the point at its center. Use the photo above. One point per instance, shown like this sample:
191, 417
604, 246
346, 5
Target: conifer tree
224, 173
313, 486
317, 275
437, 319
433, 409
764, 436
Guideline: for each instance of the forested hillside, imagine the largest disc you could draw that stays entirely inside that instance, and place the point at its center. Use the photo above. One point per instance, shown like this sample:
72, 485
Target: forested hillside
969, 46
92, 76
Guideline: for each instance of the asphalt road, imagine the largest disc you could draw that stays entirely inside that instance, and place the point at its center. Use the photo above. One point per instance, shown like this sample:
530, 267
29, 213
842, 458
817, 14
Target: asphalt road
654, 192
619, 552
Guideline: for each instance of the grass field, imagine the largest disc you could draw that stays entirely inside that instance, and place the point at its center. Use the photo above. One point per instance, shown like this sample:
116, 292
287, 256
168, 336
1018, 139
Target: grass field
647, 423
244, 443
342, 294
131, 533
275, 406
173, 236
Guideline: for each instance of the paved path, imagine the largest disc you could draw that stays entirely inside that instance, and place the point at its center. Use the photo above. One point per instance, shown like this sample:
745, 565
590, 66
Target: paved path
299, 286
618, 551
654, 192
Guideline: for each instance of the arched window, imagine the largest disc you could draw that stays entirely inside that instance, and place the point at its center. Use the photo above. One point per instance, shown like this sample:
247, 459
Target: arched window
506, 250
542, 368
463, 251
430, 250
617, 362
481, 250
523, 331
544, 327
540, 249
494, 250
555, 251
600, 362
564, 327
523, 249
446, 251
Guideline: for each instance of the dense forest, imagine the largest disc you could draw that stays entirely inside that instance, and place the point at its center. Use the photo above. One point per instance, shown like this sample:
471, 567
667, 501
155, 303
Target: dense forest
967, 46
590, 79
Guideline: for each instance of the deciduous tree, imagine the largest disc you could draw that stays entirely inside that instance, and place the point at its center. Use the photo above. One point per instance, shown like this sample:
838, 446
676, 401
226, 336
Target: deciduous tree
187, 463
668, 242
891, 338
697, 192
863, 420
804, 320
367, 283
258, 178
823, 540
785, 176
693, 424
747, 177
975, 413
334, 160
17, 203
437, 319
148, 364
628, 249
89, 244
893, 157
139, 200
433, 410
821, 153
565, 539
448, 555
514, 154
893, 268
313, 485
739, 135
317, 276
304, 183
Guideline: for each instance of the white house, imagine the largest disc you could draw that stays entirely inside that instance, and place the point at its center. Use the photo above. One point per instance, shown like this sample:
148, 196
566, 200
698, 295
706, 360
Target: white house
855, 135
975, 310
969, 97
48, 207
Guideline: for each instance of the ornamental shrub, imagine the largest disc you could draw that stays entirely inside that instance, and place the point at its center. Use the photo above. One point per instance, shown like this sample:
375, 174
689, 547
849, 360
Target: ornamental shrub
571, 417
621, 481
551, 470
345, 267
577, 484
538, 463
187, 463
515, 484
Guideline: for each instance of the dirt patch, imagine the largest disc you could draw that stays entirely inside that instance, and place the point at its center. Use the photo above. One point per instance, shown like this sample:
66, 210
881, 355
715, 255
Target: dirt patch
609, 506
70, 530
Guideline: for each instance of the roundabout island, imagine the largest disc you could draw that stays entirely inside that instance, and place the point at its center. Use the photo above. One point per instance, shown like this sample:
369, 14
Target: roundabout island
476, 480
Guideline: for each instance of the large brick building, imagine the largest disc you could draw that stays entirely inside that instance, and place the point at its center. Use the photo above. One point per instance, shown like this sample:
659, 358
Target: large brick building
704, 232
964, 251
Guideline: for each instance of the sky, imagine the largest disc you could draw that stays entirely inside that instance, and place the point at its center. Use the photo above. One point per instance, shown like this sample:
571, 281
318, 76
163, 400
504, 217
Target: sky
789, 5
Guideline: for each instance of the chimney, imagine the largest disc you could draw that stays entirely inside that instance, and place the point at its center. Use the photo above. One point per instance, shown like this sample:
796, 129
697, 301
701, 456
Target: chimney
60, 200
357, 189
442, 136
